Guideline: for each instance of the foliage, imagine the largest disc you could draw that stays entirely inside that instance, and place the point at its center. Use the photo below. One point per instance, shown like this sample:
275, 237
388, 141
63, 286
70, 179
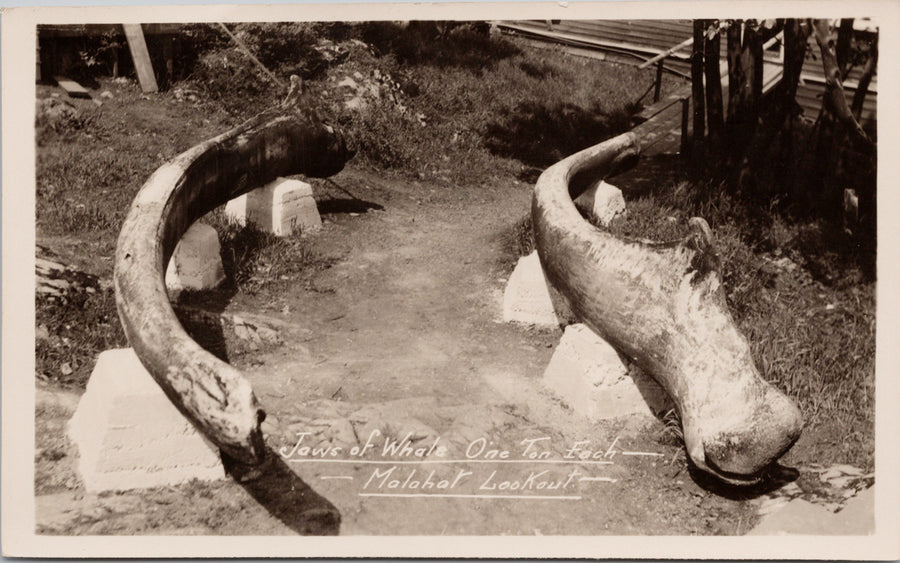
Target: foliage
98, 52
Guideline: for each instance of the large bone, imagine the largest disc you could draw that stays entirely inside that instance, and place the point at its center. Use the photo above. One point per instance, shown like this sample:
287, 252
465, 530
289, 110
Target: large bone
664, 305
214, 396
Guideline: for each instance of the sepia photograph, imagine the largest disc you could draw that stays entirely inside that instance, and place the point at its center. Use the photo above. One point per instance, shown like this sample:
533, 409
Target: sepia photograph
436, 273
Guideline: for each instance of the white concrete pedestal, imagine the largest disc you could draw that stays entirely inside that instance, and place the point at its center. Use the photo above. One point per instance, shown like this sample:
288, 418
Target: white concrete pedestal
527, 298
282, 207
129, 435
196, 263
604, 201
586, 373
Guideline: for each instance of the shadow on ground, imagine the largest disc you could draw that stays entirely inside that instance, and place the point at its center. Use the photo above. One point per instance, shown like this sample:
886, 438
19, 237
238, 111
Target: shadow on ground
773, 478
286, 496
540, 136
652, 175
347, 205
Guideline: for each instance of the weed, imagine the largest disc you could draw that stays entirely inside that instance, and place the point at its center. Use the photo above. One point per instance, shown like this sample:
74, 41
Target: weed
672, 433
520, 239
254, 260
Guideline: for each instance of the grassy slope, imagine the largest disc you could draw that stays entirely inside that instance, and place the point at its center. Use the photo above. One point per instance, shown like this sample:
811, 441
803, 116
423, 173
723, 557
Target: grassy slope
802, 299
491, 109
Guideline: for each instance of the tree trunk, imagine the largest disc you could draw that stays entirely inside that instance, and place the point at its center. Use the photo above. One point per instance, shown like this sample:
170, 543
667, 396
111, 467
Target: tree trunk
735, 71
699, 126
859, 97
834, 99
842, 48
746, 114
716, 119
751, 87
795, 42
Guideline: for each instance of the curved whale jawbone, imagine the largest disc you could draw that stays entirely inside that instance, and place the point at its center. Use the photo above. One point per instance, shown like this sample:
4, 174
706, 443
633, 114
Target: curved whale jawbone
281, 141
664, 306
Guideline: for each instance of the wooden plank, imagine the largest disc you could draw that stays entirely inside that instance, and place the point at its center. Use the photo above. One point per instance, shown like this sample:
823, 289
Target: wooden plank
138, 47
659, 107
93, 29
72, 88
643, 51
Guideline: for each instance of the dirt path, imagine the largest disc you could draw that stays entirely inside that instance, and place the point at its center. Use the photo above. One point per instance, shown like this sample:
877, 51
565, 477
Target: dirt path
403, 336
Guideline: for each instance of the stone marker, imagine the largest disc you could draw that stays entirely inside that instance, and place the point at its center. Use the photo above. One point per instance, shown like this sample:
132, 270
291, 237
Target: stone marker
527, 296
586, 373
281, 207
196, 263
130, 435
604, 201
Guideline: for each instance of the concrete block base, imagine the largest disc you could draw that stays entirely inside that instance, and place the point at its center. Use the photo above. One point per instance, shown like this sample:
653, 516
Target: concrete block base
282, 207
527, 297
130, 436
586, 373
196, 263
604, 201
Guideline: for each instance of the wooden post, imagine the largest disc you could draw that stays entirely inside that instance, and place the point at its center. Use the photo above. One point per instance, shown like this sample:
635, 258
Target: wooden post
658, 86
138, 47
167, 51
685, 137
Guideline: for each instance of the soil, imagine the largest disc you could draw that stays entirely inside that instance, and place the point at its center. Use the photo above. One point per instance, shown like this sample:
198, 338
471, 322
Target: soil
402, 338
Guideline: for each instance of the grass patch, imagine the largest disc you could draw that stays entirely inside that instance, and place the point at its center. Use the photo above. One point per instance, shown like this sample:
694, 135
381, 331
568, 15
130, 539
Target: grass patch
72, 333
529, 110
806, 305
87, 176
255, 260
807, 309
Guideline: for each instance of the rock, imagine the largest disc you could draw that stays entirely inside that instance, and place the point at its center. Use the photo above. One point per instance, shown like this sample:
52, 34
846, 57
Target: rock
58, 281
795, 517
254, 334
857, 517
356, 103
55, 111
331, 53
106, 95
348, 82
801, 517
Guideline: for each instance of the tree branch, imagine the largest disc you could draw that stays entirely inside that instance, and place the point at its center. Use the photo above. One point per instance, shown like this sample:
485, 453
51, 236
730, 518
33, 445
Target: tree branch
834, 99
862, 89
